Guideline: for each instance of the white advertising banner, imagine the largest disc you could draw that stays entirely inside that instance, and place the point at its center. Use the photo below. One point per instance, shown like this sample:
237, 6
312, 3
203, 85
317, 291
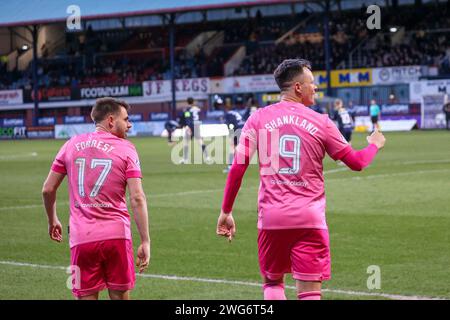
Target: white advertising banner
364, 124
141, 128
66, 131
160, 90
395, 75
9, 97
146, 128
418, 89
206, 131
258, 83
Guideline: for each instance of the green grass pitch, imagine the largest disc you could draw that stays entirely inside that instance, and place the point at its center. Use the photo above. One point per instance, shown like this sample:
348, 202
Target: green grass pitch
395, 215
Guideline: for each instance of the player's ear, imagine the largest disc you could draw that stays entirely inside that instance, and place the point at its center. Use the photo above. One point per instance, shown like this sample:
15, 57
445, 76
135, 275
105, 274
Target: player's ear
111, 120
298, 88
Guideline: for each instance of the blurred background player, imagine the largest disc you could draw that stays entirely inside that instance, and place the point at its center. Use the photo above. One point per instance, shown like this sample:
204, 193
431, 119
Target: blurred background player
344, 120
251, 108
375, 114
292, 230
178, 123
228, 105
171, 126
239, 105
446, 110
318, 108
351, 110
192, 123
99, 166
235, 123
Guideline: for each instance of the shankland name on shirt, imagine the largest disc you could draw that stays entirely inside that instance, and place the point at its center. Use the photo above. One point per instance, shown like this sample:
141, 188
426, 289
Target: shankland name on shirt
98, 144
291, 120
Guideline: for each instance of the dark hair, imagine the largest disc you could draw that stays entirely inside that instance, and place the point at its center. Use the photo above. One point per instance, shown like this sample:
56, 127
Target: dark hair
106, 106
288, 70
190, 100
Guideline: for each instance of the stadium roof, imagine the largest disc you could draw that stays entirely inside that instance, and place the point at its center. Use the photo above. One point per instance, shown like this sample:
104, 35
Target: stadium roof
29, 12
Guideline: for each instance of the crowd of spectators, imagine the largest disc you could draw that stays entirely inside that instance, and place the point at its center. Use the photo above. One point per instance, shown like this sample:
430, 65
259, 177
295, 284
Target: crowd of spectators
418, 48
257, 28
129, 56
426, 41
421, 44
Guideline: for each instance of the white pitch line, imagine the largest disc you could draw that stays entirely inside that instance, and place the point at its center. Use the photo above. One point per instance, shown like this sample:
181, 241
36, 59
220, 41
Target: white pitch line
162, 195
151, 196
185, 193
427, 161
15, 156
30, 206
32, 265
216, 190
234, 282
387, 175
336, 170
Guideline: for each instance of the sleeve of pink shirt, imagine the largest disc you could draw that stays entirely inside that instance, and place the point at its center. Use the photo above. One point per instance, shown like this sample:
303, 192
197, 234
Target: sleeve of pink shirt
133, 169
59, 164
339, 149
358, 160
244, 152
335, 144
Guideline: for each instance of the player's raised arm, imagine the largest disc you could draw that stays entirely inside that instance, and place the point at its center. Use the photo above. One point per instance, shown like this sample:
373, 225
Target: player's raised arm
49, 189
139, 207
339, 149
358, 160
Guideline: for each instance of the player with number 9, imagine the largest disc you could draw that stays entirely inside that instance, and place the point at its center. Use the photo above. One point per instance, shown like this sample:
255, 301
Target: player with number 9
99, 166
292, 141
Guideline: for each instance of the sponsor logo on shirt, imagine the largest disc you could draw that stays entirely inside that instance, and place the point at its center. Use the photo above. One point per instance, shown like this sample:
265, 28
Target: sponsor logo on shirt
93, 205
290, 183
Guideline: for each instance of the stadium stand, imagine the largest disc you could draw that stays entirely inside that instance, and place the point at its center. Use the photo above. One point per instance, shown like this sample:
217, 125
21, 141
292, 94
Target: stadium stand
126, 53
425, 43
132, 55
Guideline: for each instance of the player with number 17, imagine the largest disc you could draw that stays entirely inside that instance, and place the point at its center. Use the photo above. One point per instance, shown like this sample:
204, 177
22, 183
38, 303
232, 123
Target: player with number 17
99, 166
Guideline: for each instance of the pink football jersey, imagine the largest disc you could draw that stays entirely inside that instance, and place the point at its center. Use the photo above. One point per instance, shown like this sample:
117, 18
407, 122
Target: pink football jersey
291, 141
98, 165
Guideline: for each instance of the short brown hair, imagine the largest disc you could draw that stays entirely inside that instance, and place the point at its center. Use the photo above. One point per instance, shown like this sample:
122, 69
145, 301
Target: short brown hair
288, 70
106, 106
338, 101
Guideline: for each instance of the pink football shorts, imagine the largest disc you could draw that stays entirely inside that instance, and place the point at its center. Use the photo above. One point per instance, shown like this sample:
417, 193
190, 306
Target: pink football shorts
102, 264
303, 252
